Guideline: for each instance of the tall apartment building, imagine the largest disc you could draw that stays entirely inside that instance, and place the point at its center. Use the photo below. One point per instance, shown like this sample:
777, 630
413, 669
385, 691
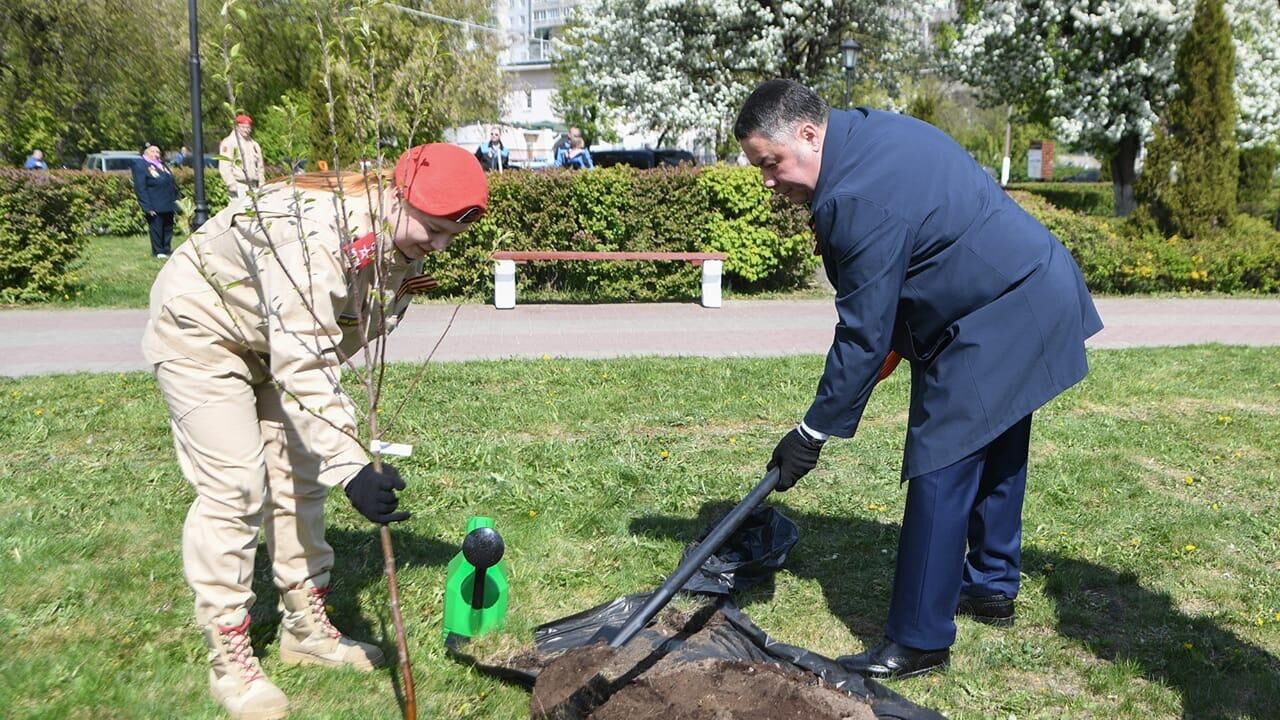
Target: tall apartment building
531, 25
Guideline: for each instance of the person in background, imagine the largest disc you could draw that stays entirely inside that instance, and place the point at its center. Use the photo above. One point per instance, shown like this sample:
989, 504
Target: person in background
241, 165
565, 150
494, 155
158, 195
183, 157
577, 157
931, 260
251, 322
35, 161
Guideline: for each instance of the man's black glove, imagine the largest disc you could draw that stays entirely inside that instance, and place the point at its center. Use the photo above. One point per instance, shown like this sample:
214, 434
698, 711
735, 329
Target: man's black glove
795, 455
373, 493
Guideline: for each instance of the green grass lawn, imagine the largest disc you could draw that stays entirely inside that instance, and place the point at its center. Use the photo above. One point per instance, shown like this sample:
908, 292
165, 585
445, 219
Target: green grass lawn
1152, 544
116, 272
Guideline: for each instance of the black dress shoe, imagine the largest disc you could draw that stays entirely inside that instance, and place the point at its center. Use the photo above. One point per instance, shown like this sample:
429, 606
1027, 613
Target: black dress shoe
891, 660
991, 610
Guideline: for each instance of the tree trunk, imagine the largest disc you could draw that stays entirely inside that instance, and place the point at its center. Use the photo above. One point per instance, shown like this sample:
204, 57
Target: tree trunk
1123, 173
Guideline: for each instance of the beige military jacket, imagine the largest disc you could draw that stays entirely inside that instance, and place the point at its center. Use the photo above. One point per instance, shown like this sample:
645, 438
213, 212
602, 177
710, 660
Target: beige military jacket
285, 291
240, 176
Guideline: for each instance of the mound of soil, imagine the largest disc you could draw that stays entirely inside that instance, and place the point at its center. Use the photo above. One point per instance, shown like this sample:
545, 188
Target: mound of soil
726, 690
641, 681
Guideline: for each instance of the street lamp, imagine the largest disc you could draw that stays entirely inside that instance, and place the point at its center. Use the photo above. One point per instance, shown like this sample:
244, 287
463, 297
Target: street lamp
849, 50
201, 213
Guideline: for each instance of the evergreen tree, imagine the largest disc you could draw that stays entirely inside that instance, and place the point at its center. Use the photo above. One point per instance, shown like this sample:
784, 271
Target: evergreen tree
1189, 181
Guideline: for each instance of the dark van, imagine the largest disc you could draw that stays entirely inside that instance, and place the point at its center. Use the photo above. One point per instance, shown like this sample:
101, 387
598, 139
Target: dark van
641, 158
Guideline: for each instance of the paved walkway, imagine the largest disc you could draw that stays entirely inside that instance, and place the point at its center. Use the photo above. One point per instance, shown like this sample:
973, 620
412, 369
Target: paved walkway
59, 341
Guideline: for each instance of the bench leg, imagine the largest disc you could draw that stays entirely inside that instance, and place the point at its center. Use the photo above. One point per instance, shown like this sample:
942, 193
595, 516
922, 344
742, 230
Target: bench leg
711, 271
504, 284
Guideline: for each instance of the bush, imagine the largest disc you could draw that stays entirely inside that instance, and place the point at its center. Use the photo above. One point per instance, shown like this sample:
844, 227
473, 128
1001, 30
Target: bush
726, 209
113, 207
1088, 198
1257, 169
42, 233
1133, 256
1189, 181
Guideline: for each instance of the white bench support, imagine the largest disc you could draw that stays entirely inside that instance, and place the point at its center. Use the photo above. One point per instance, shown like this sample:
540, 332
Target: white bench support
504, 284
711, 271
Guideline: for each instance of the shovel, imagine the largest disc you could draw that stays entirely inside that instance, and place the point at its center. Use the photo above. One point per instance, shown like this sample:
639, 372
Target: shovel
622, 667
690, 565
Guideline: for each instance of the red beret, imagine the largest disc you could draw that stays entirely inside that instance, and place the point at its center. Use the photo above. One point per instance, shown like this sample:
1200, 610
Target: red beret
244, 119
443, 180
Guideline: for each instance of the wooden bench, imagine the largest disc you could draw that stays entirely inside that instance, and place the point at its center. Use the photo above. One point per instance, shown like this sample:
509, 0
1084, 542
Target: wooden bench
504, 269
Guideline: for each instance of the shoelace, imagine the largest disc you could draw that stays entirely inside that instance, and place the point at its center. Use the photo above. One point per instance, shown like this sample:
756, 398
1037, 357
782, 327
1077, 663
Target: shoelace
318, 598
237, 639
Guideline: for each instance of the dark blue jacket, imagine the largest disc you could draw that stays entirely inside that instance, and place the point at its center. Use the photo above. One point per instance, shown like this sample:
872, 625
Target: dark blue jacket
156, 190
931, 258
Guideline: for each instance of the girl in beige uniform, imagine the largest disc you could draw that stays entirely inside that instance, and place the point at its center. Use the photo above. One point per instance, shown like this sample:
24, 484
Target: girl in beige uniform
251, 322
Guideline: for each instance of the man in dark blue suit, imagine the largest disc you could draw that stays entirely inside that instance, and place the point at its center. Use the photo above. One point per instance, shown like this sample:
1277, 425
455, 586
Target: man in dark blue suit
932, 260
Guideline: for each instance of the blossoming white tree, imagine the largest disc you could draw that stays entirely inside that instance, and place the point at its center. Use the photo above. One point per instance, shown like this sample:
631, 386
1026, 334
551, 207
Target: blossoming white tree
1101, 72
1255, 24
674, 65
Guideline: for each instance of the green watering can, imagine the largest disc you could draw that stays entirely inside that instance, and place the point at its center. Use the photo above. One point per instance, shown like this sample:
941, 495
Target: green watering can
475, 593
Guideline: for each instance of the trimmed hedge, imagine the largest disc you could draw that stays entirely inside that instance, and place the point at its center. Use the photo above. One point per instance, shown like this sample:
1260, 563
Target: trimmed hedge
42, 233
1119, 256
46, 219
114, 208
1088, 198
768, 243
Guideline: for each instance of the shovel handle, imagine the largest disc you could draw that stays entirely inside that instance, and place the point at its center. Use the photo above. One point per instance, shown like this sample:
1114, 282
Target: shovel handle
709, 545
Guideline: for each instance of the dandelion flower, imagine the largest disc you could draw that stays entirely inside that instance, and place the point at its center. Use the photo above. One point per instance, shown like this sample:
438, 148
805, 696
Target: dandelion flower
733, 440
1189, 548
664, 454
1189, 480
1189, 645
546, 356
533, 514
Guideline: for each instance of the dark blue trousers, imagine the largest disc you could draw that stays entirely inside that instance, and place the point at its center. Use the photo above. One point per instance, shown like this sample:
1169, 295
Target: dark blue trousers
976, 500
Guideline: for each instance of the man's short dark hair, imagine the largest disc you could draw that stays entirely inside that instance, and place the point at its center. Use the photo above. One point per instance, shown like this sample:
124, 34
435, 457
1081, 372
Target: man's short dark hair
776, 106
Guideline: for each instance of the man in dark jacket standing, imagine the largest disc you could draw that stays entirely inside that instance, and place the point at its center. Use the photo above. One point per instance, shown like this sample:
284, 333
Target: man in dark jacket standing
158, 196
932, 260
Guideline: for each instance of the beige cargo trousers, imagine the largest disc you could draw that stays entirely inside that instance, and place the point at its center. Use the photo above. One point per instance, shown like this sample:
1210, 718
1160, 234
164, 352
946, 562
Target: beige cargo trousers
241, 450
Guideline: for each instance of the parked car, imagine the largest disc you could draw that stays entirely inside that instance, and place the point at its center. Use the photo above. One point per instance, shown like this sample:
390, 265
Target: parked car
641, 158
111, 160
1087, 175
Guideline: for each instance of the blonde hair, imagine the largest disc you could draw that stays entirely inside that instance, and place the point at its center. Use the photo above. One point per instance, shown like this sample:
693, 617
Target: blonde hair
348, 181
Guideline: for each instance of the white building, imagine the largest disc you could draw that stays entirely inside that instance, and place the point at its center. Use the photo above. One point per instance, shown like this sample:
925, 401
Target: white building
527, 62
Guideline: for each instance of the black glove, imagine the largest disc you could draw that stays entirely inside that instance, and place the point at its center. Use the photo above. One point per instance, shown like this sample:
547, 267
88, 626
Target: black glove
373, 493
795, 455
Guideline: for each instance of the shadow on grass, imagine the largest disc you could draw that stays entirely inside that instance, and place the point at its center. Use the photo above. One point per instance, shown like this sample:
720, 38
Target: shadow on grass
1119, 620
1109, 613
357, 566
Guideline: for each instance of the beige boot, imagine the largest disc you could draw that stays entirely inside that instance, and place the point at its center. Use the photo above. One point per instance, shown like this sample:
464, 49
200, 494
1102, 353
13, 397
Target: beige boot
235, 678
307, 637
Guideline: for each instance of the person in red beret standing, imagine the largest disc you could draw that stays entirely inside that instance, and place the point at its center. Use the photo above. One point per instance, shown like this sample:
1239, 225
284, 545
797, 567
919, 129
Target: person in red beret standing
241, 160
251, 322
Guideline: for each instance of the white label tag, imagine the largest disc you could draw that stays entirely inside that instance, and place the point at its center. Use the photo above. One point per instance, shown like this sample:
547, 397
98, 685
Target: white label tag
386, 448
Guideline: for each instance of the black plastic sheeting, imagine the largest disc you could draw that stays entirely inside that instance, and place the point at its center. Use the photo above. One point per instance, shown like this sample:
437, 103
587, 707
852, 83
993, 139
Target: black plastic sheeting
752, 554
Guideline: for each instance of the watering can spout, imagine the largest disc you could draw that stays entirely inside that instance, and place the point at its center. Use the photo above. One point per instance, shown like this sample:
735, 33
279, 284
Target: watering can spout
475, 597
